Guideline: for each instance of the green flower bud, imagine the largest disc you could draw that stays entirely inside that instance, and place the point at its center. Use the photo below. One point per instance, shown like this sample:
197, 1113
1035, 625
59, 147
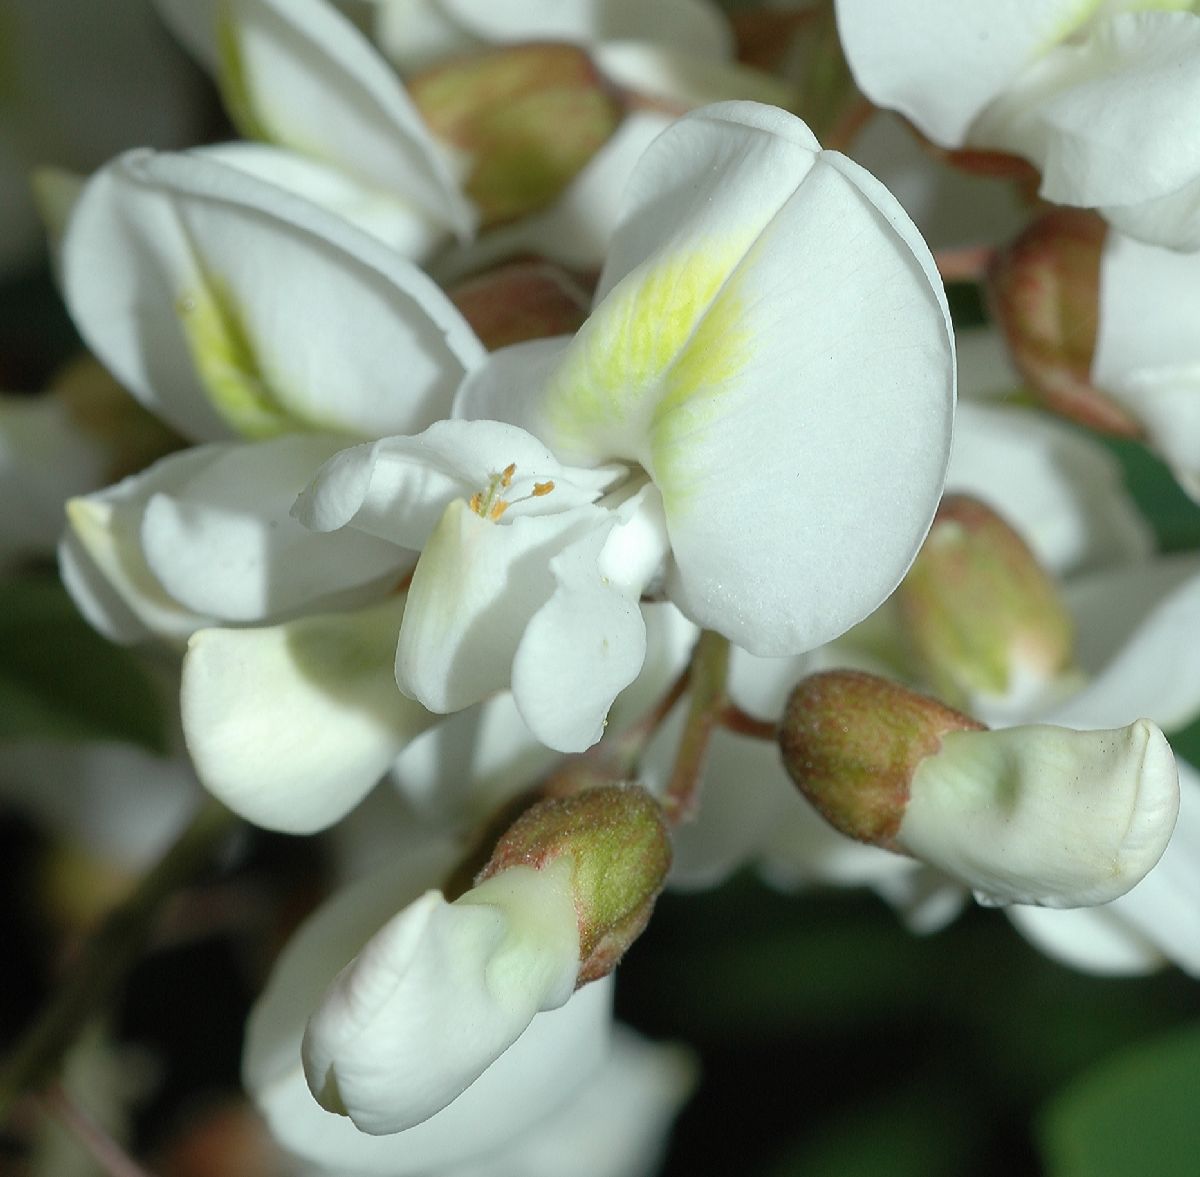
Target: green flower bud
983, 616
528, 117
620, 853
851, 742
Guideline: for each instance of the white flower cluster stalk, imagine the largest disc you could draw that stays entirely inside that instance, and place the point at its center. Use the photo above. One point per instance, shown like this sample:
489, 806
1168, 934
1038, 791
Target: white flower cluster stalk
422, 511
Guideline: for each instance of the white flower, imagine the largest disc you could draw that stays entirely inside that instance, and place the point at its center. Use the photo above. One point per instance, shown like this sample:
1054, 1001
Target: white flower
768, 359
1157, 922
232, 308
1044, 815
337, 126
1147, 356
539, 1075
1102, 99
439, 993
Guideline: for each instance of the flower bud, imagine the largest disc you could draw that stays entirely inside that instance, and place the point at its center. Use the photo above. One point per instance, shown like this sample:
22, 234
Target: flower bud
1038, 814
983, 616
851, 743
528, 117
619, 850
438, 994
524, 300
1044, 292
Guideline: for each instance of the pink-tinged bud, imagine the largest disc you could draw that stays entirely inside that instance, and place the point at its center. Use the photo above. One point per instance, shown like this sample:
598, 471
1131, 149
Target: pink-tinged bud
619, 851
524, 300
528, 117
851, 743
983, 616
1044, 292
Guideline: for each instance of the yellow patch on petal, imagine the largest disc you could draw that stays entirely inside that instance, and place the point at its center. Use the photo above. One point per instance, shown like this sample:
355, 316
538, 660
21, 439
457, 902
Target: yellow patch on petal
233, 81
665, 336
1074, 24
228, 365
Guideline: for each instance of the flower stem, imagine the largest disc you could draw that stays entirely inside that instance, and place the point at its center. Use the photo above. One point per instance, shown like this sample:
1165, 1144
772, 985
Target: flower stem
737, 720
108, 956
710, 666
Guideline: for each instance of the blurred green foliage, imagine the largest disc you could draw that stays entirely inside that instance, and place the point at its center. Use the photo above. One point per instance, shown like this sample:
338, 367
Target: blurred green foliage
1138, 1112
60, 679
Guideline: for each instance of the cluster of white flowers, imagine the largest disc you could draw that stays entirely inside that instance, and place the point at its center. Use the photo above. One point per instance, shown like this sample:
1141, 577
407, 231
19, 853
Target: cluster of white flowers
475, 453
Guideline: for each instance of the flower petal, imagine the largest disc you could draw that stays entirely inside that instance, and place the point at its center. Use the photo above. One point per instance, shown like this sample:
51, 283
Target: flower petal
1107, 118
674, 75
1149, 307
462, 771
104, 557
221, 541
475, 589
688, 366
97, 600
291, 726
542, 1070
414, 34
940, 62
298, 73
1132, 625
1044, 815
616, 1125
438, 994
1061, 490
1158, 920
394, 222
397, 488
226, 305
579, 650
696, 26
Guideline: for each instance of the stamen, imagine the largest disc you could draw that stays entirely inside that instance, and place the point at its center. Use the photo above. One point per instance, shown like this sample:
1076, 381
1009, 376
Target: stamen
488, 504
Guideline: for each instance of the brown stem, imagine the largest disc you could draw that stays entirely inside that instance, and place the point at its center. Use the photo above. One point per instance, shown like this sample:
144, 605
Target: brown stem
710, 665
627, 749
102, 1148
737, 720
108, 956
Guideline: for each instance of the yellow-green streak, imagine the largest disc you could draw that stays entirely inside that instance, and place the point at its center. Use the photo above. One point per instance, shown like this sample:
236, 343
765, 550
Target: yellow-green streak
228, 365
652, 358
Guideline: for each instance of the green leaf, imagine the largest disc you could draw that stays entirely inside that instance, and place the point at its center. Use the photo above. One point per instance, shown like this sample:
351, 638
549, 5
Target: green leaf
1174, 517
922, 1130
61, 680
1138, 1113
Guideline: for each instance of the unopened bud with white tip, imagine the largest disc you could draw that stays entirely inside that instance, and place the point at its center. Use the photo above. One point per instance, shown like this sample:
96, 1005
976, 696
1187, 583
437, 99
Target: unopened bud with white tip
1039, 815
443, 989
